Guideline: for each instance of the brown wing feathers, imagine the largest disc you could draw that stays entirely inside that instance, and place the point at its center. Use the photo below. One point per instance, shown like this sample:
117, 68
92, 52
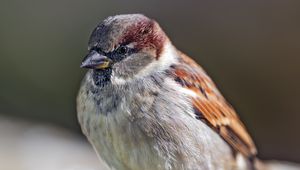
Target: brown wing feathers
212, 107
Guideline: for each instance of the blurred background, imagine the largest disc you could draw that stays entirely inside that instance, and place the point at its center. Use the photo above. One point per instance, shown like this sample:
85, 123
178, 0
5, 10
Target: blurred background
251, 49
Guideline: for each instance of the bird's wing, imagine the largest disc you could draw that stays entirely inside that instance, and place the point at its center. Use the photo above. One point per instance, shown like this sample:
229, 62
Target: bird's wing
211, 107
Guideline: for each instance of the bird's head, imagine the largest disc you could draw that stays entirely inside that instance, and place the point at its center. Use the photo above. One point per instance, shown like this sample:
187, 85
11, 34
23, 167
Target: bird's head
127, 47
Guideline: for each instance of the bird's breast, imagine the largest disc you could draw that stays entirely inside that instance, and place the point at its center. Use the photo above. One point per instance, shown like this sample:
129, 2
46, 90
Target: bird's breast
148, 127
109, 119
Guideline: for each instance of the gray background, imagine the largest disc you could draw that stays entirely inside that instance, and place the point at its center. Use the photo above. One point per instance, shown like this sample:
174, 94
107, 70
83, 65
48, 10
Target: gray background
250, 48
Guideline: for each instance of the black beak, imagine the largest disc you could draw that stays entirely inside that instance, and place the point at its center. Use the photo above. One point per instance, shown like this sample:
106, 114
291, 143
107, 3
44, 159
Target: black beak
94, 60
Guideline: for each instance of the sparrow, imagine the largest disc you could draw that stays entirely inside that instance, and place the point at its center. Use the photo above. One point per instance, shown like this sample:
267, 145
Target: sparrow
143, 104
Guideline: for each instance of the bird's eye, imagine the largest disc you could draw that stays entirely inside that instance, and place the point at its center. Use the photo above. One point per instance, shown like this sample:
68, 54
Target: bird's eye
122, 50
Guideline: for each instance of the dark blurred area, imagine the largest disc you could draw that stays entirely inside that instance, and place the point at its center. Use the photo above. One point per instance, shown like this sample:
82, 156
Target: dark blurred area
251, 49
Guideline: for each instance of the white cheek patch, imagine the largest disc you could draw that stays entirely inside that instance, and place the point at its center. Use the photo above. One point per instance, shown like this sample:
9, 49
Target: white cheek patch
168, 56
166, 59
118, 80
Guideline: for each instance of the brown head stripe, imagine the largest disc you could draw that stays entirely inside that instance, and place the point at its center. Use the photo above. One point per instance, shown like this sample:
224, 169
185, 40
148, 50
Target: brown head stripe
145, 33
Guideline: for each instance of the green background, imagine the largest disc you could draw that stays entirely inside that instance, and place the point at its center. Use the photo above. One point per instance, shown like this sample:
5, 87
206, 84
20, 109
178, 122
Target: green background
250, 48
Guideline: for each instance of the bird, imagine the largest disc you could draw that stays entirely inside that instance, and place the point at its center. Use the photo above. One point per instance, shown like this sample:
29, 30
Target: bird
144, 104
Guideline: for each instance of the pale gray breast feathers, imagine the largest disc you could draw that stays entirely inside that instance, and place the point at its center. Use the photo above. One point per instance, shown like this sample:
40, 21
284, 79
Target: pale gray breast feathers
148, 124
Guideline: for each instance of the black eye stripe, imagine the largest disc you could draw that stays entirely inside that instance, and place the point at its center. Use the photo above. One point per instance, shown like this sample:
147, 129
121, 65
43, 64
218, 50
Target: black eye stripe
118, 54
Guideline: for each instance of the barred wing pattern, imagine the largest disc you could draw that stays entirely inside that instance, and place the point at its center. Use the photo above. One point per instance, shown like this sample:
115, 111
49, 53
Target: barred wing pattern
211, 107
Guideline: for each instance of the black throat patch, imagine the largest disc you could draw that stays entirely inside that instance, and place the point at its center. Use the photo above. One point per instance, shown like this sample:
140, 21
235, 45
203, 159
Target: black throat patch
102, 77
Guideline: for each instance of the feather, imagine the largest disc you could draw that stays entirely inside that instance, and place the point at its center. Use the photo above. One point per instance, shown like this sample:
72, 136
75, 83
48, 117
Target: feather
211, 107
